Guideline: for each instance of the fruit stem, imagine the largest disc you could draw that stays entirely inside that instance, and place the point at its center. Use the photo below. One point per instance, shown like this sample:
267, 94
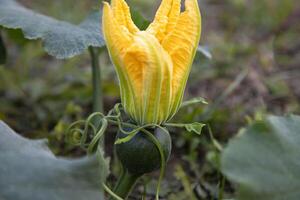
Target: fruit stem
125, 184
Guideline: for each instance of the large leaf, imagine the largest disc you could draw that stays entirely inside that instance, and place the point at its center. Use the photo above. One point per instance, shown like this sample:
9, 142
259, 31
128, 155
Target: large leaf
29, 170
61, 39
264, 160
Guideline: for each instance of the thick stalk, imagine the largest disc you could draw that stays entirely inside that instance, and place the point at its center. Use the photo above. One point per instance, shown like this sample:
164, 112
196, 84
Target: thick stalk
97, 86
125, 184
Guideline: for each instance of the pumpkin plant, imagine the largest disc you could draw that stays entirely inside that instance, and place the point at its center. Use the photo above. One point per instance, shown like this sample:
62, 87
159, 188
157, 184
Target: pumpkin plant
152, 66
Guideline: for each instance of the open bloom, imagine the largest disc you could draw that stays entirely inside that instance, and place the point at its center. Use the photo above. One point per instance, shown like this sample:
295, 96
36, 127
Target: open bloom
153, 64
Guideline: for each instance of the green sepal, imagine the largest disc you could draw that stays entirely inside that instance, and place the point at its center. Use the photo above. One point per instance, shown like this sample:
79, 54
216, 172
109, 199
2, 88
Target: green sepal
195, 127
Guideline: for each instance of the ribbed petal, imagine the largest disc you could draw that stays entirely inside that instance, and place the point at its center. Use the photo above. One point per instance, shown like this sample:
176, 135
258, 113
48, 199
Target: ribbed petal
181, 44
118, 38
150, 70
122, 15
165, 18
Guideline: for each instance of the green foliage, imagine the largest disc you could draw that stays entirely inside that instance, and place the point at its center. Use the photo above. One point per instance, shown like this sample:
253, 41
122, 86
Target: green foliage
61, 39
139, 20
264, 159
254, 14
195, 127
183, 177
30, 171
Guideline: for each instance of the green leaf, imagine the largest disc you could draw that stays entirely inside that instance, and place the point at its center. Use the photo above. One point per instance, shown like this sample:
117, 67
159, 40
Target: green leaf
2, 52
30, 171
264, 160
195, 127
60, 39
16, 35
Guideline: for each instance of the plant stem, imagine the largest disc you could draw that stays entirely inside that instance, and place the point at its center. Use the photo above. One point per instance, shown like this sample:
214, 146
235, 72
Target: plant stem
3, 53
97, 87
96, 80
125, 184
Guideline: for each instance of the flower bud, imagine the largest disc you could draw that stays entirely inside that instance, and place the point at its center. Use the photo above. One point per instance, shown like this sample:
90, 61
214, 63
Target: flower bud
152, 65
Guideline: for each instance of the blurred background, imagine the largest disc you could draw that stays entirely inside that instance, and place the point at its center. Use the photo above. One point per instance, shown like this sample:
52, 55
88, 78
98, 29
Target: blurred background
250, 67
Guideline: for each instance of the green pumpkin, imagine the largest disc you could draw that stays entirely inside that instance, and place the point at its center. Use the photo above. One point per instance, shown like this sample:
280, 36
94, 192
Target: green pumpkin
140, 155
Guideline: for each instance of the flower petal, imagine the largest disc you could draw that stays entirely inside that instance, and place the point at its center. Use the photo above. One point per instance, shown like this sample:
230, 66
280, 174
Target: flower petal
150, 70
122, 15
152, 65
165, 18
118, 38
181, 44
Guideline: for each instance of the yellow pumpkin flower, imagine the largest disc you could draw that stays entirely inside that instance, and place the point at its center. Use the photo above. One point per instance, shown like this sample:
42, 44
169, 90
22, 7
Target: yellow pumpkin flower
153, 64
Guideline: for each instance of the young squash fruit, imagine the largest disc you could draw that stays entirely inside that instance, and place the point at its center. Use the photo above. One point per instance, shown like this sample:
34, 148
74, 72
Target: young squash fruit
140, 155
